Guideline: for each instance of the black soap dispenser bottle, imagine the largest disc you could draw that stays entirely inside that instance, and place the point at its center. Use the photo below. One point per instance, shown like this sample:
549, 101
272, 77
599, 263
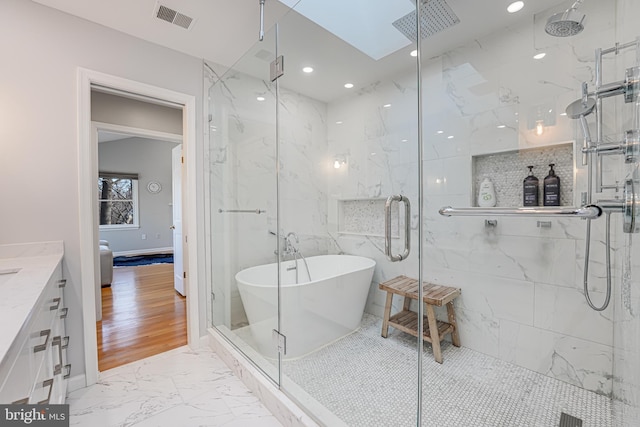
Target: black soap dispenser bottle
530, 189
552, 188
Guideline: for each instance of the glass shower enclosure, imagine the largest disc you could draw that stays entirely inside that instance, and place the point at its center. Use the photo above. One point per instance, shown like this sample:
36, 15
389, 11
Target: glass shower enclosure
347, 155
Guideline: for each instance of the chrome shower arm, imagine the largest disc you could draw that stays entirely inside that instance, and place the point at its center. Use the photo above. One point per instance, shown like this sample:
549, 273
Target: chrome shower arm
261, 36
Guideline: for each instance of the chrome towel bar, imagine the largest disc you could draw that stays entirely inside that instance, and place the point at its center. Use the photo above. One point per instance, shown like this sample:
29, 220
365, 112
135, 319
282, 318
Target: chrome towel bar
590, 211
255, 211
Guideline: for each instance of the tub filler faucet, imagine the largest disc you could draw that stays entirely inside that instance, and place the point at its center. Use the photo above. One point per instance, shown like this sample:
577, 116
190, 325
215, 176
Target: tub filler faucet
291, 249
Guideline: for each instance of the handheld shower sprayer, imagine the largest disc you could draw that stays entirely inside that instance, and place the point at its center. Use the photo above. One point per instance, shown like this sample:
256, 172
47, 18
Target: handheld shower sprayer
580, 109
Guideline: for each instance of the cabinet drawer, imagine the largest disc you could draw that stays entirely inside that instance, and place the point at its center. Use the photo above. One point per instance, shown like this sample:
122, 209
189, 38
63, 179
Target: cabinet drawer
41, 332
16, 379
43, 385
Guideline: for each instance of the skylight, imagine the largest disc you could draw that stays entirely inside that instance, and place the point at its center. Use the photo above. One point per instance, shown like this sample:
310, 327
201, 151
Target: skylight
366, 25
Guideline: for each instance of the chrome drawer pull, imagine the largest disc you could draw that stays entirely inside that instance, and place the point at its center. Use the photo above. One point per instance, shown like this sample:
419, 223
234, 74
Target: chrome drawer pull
62, 283
41, 347
64, 313
21, 401
68, 368
66, 342
47, 383
55, 307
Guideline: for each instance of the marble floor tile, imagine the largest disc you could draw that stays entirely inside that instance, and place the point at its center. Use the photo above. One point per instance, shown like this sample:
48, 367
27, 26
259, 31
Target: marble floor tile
181, 387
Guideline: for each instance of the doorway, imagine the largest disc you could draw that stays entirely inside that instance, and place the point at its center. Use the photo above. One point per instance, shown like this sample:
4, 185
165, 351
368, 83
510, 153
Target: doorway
88, 171
141, 304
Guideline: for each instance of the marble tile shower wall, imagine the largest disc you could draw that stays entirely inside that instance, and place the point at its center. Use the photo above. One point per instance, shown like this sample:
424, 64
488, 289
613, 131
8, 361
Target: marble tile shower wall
522, 298
243, 177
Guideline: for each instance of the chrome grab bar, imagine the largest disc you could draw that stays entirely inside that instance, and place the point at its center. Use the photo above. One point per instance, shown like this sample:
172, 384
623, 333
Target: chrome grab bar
590, 212
255, 211
387, 228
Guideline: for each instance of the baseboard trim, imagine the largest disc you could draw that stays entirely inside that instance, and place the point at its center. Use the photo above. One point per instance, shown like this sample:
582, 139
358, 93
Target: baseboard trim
76, 383
168, 250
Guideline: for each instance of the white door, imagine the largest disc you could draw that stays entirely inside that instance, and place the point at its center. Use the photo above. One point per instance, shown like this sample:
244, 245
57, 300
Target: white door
176, 187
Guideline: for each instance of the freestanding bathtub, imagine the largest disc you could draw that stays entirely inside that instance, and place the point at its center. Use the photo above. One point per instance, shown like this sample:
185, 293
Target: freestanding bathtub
314, 312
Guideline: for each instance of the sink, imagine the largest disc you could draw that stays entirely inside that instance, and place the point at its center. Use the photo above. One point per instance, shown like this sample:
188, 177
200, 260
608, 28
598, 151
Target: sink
7, 274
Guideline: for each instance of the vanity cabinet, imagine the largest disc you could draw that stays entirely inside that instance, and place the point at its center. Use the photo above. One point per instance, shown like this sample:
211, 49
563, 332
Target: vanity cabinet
35, 368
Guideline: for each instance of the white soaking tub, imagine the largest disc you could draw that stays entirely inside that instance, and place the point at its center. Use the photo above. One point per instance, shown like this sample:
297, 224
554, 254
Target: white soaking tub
314, 312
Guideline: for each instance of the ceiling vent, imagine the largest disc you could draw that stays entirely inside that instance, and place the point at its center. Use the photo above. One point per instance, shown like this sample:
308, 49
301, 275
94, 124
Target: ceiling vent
172, 16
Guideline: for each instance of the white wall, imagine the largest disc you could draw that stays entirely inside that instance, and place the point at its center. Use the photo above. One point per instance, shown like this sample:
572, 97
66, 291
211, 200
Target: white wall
151, 160
39, 128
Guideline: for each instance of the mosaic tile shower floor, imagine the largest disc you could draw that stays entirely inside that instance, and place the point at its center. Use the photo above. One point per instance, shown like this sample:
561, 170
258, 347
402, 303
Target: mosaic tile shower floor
367, 380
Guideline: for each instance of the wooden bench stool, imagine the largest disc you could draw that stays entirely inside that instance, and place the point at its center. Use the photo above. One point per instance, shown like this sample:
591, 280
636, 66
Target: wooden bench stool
407, 321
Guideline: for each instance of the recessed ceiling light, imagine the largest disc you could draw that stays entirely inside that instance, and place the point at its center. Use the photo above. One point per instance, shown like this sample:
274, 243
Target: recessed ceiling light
414, 53
338, 122
348, 85
260, 98
540, 55
515, 6
404, 140
450, 137
563, 114
440, 131
387, 105
501, 126
307, 70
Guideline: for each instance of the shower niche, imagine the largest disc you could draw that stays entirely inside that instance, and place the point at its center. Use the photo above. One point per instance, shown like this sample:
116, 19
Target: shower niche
365, 217
507, 170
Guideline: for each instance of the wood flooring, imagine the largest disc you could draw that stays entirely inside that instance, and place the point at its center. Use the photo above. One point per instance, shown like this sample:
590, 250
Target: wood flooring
142, 315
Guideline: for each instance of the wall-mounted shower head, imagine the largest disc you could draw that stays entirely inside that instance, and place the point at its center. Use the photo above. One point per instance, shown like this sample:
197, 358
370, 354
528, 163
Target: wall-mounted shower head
567, 23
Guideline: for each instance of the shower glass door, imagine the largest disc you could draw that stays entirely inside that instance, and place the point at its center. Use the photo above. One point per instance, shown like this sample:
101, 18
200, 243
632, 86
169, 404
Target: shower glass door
348, 141
533, 352
242, 148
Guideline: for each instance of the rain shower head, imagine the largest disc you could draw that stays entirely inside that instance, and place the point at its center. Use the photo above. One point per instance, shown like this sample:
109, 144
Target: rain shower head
567, 23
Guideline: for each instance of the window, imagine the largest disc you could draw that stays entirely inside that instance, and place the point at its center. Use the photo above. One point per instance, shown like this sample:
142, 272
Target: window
118, 200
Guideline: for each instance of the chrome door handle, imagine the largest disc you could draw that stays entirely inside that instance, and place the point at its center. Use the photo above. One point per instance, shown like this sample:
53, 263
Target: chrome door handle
407, 227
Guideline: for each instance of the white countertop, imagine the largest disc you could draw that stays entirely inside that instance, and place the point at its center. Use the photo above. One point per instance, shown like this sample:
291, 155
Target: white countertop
35, 262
